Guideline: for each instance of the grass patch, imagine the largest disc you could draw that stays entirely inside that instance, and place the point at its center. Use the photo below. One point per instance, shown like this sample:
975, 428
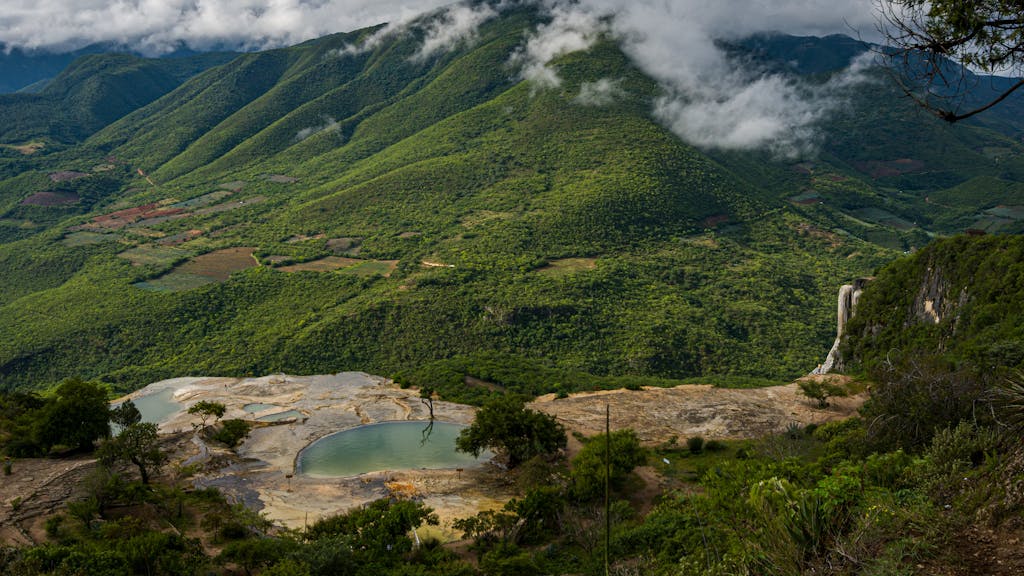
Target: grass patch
326, 264
149, 255
372, 268
566, 266
87, 239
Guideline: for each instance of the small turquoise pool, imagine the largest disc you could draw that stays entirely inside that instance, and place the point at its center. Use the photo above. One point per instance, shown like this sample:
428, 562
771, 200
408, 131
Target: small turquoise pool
281, 416
385, 446
257, 407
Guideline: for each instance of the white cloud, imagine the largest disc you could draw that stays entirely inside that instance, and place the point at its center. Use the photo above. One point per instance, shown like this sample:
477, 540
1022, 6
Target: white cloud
571, 29
158, 26
329, 125
601, 93
710, 99
455, 25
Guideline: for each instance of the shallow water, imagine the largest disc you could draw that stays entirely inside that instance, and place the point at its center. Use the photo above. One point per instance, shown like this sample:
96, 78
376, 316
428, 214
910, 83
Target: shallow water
281, 416
385, 446
257, 407
156, 407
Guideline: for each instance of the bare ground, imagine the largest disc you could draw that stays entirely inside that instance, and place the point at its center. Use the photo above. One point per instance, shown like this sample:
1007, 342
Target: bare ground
658, 414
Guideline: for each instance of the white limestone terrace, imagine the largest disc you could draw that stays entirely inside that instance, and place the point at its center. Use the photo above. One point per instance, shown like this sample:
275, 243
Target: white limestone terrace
261, 471
327, 404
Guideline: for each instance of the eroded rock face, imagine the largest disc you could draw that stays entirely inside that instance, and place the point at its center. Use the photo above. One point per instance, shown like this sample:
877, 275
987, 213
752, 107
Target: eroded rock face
934, 301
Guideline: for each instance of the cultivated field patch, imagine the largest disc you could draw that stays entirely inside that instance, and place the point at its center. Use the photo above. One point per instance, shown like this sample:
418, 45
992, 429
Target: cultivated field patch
203, 200
322, 265
51, 199
889, 168
66, 175
566, 266
87, 239
883, 217
281, 179
372, 268
1012, 212
303, 237
205, 269
344, 265
26, 149
227, 206
805, 199
153, 255
235, 186
180, 238
349, 246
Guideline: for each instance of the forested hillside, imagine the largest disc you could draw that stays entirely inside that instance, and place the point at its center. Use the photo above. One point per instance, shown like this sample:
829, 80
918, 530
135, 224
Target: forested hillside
355, 202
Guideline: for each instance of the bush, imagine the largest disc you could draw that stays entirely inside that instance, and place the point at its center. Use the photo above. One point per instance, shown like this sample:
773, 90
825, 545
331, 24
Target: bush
714, 446
588, 468
913, 399
695, 444
232, 432
952, 455
52, 525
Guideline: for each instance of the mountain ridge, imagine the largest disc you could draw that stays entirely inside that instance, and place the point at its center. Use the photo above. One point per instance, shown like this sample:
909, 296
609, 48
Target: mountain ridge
467, 216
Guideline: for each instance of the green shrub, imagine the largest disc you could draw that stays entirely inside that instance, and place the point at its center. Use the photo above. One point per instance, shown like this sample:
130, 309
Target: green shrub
588, 468
695, 444
714, 446
52, 525
232, 432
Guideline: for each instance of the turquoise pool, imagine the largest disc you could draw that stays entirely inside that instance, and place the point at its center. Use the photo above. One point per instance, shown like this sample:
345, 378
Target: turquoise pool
158, 406
385, 446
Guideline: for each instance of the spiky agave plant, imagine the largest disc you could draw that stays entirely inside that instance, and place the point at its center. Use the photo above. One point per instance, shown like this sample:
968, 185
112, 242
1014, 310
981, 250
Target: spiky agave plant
1010, 402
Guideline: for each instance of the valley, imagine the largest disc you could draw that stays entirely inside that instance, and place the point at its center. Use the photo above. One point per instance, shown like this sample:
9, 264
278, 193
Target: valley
517, 218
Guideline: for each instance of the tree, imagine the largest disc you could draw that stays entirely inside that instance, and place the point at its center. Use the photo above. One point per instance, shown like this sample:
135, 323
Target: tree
507, 426
125, 414
937, 42
427, 398
822, 390
76, 416
205, 409
138, 444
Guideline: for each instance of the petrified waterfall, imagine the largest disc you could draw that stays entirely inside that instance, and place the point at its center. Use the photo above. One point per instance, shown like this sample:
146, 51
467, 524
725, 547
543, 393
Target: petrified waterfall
848, 296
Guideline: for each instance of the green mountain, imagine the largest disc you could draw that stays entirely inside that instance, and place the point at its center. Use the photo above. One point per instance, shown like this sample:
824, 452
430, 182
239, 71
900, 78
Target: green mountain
93, 91
437, 218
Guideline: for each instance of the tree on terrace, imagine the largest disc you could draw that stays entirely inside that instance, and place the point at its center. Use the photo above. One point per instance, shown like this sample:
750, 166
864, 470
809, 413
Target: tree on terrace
505, 424
138, 444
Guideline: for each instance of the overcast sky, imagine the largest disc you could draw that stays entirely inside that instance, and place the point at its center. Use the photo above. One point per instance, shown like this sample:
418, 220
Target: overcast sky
155, 25
709, 100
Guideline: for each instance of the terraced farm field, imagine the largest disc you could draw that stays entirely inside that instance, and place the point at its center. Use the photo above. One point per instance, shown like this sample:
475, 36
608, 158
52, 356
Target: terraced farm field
205, 269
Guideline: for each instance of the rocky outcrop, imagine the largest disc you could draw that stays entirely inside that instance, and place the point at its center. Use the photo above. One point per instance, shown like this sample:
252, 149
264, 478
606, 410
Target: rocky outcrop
849, 294
934, 302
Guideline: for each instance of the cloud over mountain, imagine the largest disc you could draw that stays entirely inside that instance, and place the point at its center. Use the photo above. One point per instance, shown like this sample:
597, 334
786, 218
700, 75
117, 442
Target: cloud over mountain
710, 99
